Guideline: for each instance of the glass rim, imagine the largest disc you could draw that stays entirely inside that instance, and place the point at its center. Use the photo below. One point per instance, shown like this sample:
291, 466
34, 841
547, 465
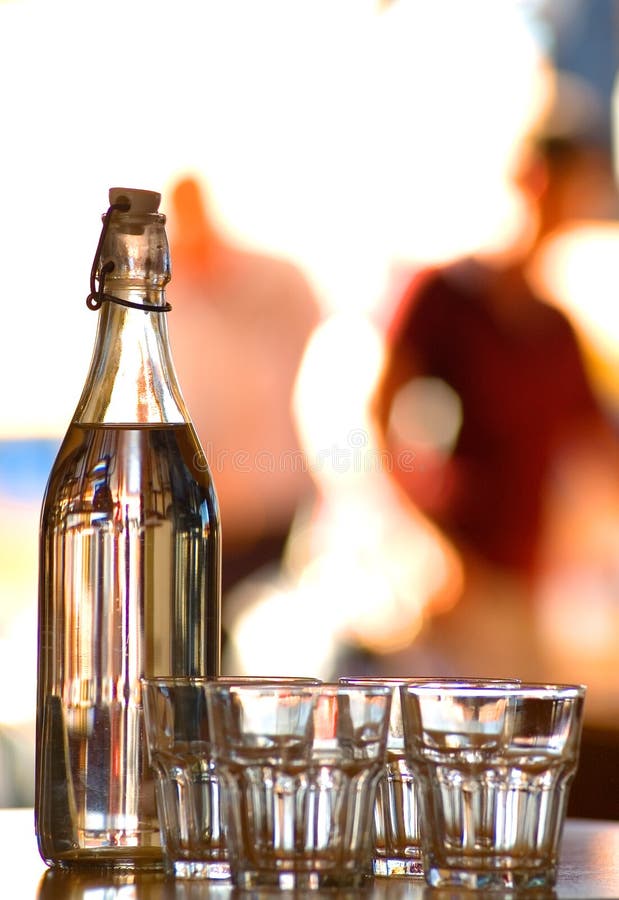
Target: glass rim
539, 690
249, 681
204, 680
334, 687
328, 688
403, 680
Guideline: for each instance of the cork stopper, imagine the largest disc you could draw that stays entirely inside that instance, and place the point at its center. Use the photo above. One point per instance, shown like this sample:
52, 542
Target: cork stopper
142, 202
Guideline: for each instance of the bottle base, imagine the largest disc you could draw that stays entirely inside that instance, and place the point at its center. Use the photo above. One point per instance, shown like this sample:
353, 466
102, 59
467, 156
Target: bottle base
109, 858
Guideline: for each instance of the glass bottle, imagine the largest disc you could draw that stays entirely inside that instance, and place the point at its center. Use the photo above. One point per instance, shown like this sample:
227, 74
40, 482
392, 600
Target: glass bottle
129, 582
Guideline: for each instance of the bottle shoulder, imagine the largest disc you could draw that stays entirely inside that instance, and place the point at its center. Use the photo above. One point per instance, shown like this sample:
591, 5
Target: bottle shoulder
132, 377
95, 461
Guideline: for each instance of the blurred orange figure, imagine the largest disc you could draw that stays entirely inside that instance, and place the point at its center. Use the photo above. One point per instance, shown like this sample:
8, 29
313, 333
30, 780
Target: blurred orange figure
238, 328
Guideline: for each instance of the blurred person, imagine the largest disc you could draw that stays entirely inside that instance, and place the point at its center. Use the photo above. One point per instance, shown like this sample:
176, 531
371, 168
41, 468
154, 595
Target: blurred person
240, 323
485, 382
516, 451
514, 364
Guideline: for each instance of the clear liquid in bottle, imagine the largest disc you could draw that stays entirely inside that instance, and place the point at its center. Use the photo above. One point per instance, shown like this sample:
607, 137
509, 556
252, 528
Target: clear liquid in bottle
130, 581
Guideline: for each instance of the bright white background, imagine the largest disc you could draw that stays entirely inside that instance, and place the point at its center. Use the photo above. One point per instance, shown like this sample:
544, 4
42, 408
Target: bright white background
339, 133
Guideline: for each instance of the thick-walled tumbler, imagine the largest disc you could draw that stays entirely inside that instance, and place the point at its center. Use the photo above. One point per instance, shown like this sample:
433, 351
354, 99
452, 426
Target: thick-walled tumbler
493, 767
299, 770
188, 788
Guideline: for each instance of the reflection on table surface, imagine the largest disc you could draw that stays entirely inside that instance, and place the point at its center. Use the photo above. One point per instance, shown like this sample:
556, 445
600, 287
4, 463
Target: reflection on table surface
589, 868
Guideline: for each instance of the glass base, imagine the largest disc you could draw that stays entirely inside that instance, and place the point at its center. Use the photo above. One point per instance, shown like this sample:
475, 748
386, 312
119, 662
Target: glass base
299, 881
211, 871
393, 867
491, 879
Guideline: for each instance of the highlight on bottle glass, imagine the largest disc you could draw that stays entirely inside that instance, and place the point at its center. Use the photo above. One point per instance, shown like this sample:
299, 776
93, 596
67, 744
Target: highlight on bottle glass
493, 767
298, 768
396, 827
188, 790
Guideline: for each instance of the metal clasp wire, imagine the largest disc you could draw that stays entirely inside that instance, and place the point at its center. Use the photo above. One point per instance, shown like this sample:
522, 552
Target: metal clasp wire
97, 295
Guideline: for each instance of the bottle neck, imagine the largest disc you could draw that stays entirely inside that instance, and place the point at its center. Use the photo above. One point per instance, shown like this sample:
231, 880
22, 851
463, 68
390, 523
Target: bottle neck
132, 378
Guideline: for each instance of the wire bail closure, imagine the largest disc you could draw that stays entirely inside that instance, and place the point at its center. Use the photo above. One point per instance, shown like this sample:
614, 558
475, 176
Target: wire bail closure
97, 296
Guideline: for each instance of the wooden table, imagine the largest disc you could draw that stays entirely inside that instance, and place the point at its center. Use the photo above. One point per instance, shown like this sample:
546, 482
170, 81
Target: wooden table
589, 869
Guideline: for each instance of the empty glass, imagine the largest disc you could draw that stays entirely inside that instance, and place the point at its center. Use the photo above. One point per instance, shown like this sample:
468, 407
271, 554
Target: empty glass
493, 767
188, 791
299, 769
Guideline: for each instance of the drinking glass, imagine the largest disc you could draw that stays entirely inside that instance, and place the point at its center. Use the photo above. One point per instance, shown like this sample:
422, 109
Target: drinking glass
493, 767
299, 770
188, 791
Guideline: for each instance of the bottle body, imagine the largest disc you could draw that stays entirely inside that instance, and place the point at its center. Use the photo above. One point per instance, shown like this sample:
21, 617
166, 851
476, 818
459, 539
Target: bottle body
129, 567
129, 586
